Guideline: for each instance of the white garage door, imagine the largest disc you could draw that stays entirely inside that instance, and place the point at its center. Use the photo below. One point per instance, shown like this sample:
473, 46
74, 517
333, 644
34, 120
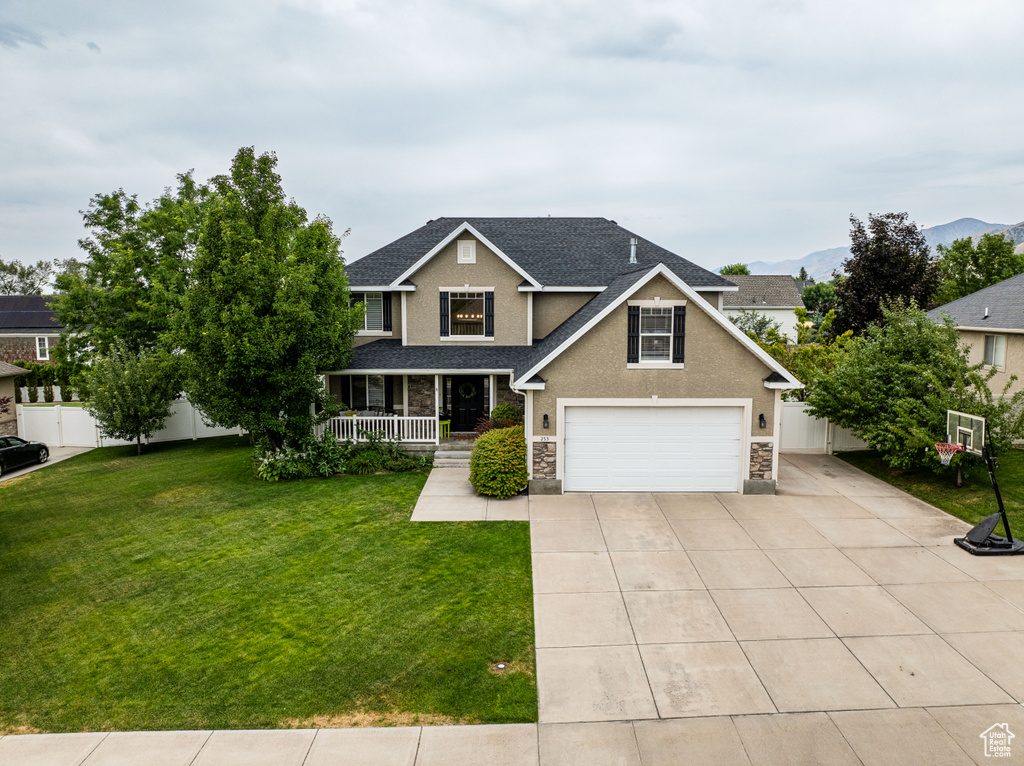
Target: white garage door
653, 449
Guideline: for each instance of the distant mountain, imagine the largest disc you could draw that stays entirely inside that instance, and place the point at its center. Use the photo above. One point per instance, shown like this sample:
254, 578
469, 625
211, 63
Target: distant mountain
821, 263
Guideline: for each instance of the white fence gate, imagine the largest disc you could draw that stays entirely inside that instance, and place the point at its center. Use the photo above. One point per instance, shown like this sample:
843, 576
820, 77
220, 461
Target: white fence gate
802, 432
58, 426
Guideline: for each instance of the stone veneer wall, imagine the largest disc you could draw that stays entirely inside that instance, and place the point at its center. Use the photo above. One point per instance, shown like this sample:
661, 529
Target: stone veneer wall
544, 456
761, 454
9, 427
506, 395
421, 395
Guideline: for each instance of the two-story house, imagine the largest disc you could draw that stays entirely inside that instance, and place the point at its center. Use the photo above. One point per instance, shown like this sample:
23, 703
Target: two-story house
617, 351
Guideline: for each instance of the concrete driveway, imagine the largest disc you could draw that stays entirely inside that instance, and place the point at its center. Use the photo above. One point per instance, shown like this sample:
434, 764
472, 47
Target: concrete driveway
834, 623
57, 454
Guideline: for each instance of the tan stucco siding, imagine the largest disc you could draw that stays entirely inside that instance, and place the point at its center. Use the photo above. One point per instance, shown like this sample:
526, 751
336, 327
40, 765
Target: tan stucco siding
717, 366
551, 309
1014, 359
443, 270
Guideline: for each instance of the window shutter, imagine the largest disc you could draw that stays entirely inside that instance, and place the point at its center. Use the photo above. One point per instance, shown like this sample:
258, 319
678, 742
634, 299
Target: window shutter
444, 315
633, 336
389, 393
678, 333
386, 311
489, 315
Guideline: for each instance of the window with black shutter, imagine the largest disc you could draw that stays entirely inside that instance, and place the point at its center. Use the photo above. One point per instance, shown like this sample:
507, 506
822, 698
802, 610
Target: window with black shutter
633, 337
386, 312
489, 315
444, 315
678, 334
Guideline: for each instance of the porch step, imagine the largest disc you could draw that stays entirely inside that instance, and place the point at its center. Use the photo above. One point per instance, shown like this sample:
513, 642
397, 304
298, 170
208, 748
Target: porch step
445, 462
453, 454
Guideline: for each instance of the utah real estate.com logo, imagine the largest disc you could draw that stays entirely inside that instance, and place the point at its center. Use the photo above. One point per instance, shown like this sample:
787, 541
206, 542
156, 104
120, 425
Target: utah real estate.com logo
997, 740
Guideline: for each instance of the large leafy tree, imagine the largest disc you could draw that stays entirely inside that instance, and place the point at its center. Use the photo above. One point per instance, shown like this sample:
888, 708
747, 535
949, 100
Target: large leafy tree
18, 279
890, 259
135, 273
132, 390
966, 268
267, 309
893, 386
740, 269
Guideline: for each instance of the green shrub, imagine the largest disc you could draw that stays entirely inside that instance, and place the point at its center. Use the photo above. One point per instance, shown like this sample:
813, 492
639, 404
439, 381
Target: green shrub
17, 392
502, 416
367, 461
48, 392
33, 394
497, 466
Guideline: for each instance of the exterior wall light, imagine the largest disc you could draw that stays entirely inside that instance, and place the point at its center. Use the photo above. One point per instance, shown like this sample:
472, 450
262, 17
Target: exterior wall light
761, 421
548, 425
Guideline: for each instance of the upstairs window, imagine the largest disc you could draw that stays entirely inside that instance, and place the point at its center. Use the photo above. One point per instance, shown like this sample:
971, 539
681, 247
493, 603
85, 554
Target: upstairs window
656, 333
377, 316
468, 314
43, 349
995, 350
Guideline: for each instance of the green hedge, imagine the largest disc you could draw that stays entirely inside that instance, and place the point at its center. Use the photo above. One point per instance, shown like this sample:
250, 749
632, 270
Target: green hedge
497, 466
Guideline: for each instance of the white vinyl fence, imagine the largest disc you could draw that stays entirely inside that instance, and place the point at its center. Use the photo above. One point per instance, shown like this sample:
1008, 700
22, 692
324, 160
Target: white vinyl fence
58, 426
801, 432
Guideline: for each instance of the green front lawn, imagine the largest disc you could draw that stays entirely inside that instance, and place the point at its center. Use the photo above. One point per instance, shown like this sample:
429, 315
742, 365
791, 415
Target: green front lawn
972, 502
175, 591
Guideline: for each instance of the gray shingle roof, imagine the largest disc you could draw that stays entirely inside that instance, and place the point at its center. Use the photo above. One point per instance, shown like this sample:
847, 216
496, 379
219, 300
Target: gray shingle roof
765, 290
561, 252
1004, 301
27, 312
10, 370
390, 354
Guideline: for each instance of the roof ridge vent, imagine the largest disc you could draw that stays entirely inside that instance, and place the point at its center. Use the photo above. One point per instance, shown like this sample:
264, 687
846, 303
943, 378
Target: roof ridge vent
632, 249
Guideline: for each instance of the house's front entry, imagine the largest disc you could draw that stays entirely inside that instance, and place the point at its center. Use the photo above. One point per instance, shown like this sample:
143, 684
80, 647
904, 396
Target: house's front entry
467, 401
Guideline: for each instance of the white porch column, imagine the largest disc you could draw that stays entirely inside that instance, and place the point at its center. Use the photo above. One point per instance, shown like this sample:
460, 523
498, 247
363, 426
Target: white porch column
405, 393
493, 391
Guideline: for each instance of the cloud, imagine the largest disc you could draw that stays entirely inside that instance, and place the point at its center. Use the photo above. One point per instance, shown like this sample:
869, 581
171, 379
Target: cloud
727, 131
13, 35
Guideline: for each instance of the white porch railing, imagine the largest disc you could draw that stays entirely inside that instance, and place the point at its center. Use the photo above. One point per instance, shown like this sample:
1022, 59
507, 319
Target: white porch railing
406, 429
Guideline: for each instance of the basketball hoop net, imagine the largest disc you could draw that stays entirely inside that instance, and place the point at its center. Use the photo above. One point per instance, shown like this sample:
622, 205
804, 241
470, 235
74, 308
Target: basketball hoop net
946, 451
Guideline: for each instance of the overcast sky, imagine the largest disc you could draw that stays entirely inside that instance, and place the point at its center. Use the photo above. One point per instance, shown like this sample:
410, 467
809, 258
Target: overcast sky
725, 131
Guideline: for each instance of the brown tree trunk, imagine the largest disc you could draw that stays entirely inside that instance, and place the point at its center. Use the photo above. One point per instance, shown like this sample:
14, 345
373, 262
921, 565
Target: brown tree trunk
138, 444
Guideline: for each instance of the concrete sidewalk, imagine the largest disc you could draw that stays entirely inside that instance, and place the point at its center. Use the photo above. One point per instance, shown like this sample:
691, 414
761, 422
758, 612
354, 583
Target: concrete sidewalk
832, 623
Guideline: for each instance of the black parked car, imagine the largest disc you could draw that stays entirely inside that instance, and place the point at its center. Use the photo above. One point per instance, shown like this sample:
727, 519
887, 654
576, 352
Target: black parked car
16, 452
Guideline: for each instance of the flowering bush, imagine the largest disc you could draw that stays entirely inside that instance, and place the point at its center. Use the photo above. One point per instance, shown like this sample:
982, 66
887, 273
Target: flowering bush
328, 457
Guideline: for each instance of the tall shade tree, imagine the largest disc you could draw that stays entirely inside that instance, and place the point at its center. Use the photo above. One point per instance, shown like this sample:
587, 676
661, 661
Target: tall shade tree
132, 390
739, 269
136, 270
889, 260
966, 268
267, 310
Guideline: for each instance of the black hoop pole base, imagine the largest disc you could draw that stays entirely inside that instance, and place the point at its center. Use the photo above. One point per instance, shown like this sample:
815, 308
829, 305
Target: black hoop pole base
993, 546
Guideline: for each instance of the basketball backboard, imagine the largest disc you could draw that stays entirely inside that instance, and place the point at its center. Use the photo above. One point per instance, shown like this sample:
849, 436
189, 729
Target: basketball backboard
968, 430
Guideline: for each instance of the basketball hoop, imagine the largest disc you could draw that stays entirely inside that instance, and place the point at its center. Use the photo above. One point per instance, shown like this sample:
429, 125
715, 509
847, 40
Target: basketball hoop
946, 451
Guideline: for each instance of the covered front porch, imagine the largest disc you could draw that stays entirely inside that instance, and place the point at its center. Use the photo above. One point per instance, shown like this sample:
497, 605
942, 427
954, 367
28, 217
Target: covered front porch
415, 408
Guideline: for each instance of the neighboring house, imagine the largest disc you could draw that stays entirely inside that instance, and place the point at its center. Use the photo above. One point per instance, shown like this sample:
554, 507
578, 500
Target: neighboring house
28, 328
774, 295
629, 375
991, 321
9, 419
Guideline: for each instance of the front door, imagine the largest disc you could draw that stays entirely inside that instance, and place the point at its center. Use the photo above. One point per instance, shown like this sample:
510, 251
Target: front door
467, 401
